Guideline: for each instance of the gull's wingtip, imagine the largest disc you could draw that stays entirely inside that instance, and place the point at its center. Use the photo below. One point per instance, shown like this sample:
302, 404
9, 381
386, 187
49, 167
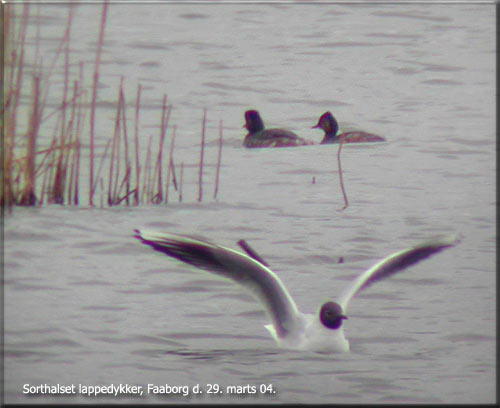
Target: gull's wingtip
151, 234
146, 237
444, 240
141, 235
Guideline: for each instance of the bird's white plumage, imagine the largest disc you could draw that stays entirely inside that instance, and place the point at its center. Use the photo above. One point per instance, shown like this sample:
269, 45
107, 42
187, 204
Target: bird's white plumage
290, 328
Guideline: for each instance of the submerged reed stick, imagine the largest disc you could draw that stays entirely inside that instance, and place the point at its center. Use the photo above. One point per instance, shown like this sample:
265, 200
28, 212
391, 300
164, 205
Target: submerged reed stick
340, 175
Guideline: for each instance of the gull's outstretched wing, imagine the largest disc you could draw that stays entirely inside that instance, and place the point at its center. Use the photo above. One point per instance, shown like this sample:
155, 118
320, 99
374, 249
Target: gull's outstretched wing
395, 263
233, 265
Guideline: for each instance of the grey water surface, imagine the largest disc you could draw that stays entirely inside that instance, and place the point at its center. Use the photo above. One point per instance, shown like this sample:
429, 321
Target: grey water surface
85, 304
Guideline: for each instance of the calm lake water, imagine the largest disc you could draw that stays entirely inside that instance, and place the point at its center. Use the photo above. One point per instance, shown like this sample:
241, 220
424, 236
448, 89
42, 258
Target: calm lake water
87, 305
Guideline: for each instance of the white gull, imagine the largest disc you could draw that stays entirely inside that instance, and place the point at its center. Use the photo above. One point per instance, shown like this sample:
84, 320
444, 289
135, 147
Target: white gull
290, 328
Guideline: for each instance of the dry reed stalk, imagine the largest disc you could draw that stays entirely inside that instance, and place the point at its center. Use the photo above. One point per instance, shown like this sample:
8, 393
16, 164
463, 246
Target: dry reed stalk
114, 142
346, 204
2, 104
18, 62
28, 196
5, 194
72, 136
165, 117
202, 152
64, 41
180, 182
37, 36
147, 173
171, 169
60, 174
47, 153
174, 178
71, 180
136, 139
71, 145
42, 191
94, 99
52, 162
76, 164
115, 154
57, 189
128, 167
46, 169
50, 171
15, 52
171, 163
216, 188
101, 183
62, 166
128, 193
76, 161
125, 183
101, 163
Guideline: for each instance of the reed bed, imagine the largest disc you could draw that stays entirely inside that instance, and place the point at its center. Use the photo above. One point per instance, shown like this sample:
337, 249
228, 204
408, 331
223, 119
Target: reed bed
38, 169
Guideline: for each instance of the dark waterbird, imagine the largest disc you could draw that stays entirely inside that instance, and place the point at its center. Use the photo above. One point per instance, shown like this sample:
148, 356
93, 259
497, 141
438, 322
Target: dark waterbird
258, 136
329, 124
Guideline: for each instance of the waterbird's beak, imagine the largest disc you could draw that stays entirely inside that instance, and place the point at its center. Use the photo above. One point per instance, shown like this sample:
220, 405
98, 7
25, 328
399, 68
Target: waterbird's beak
316, 126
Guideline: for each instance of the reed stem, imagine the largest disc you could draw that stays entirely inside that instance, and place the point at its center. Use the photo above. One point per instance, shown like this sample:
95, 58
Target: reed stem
165, 116
136, 140
180, 182
216, 189
94, 99
346, 203
128, 167
202, 152
171, 169
55, 169
28, 196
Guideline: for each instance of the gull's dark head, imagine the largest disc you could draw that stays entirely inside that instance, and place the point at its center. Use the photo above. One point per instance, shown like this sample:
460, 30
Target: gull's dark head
331, 315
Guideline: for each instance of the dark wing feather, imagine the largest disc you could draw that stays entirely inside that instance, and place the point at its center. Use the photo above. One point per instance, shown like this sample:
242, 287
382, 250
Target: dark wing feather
233, 265
395, 263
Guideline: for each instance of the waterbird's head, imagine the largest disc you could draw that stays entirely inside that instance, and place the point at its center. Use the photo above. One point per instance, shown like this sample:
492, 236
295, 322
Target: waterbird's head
253, 121
331, 315
328, 123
